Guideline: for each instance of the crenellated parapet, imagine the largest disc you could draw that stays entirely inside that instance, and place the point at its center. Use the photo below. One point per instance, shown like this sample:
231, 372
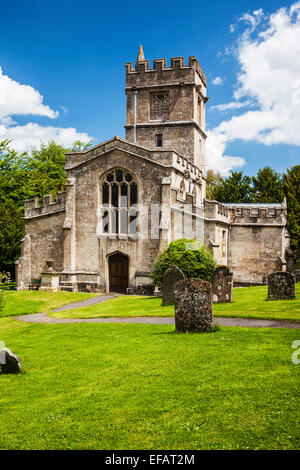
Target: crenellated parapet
178, 69
49, 206
257, 214
216, 211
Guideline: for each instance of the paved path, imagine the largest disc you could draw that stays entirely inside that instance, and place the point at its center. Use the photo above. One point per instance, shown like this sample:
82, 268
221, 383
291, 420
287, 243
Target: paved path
223, 321
86, 303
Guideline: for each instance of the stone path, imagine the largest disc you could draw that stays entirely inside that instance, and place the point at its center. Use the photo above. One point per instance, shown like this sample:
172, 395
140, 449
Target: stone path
222, 321
98, 299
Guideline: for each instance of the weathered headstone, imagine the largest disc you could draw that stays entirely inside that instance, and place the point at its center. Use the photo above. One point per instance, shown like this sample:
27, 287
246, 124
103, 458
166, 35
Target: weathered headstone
193, 305
222, 285
281, 285
171, 276
9, 362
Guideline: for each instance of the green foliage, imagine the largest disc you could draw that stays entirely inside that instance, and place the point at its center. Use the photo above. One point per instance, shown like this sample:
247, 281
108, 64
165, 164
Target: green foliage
267, 186
79, 146
24, 176
4, 279
291, 189
11, 233
212, 181
193, 263
235, 188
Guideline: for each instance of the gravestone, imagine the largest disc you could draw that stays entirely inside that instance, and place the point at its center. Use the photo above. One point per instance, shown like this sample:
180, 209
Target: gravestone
222, 285
281, 285
193, 305
9, 362
171, 276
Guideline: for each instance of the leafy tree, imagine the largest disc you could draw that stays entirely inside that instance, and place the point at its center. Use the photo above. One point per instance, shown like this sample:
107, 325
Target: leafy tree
212, 181
79, 146
11, 234
291, 189
235, 188
267, 186
24, 176
193, 263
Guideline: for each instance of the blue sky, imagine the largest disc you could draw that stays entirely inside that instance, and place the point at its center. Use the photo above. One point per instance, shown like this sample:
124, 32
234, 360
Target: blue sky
73, 55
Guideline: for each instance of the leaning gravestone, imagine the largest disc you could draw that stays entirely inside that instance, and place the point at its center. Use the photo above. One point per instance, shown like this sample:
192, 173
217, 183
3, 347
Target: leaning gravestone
222, 285
193, 305
9, 362
171, 276
281, 285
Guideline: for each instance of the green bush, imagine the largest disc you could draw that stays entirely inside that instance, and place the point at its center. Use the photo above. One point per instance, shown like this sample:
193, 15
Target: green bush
2, 294
193, 263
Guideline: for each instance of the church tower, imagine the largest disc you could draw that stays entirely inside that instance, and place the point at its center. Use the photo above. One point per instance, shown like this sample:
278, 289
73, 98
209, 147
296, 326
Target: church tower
166, 106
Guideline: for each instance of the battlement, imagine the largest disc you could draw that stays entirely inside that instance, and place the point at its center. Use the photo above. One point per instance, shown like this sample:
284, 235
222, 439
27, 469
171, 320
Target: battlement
216, 211
257, 214
176, 70
49, 206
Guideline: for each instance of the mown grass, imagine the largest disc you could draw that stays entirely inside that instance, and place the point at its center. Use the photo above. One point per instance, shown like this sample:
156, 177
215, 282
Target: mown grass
32, 301
116, 386
248, 302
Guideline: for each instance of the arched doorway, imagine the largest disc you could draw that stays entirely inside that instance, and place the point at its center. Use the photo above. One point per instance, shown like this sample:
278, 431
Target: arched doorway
118, 273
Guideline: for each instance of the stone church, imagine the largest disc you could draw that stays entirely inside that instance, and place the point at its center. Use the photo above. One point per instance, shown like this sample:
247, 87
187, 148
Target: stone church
126, 200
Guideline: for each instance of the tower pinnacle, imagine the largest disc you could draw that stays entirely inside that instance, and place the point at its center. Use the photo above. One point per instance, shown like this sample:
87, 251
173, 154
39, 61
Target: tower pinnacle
140, 56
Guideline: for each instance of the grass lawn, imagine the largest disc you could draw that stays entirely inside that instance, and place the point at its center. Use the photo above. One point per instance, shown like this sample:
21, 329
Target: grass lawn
116, 386
32, 301
249, 302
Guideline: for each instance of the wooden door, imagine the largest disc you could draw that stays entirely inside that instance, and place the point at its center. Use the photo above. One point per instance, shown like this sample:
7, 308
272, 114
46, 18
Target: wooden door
118, 273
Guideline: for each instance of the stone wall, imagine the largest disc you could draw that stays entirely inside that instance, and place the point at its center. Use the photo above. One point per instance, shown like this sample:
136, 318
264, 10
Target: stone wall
46, 237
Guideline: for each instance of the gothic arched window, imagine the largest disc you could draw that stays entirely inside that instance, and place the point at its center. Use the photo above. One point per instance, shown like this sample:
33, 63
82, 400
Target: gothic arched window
119, 197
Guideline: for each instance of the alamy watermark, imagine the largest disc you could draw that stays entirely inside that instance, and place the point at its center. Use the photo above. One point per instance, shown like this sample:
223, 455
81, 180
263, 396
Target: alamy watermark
296, 354
2, 353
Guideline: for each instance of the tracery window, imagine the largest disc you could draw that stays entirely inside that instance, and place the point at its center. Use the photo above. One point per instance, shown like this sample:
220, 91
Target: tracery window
159, 106
119, 203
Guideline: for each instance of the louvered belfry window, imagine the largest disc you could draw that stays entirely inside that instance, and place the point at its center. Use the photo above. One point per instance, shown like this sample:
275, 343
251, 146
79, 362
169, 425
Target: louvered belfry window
160, 106
119, 196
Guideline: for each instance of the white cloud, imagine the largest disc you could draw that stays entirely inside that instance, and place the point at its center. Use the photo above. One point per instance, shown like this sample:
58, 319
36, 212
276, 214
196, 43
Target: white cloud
18, 99
269, 58
217, 81
216, 158
231, 105
31, 135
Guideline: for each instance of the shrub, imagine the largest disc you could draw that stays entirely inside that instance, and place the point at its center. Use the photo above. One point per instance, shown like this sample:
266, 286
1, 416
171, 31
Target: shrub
192, 262
3, 279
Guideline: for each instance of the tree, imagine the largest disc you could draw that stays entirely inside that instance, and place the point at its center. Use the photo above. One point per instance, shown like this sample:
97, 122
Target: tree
24, 176
267, 186
291, 190
79, 146
193, 263
235, 188
212, 181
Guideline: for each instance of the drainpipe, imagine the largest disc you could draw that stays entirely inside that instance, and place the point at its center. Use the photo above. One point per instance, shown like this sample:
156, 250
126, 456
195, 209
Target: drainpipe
134, 91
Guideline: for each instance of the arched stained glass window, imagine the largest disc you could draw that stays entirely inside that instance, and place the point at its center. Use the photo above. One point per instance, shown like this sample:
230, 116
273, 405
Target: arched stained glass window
119, 198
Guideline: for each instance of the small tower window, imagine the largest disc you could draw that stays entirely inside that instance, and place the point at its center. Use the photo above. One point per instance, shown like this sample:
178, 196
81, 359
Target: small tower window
159, 140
